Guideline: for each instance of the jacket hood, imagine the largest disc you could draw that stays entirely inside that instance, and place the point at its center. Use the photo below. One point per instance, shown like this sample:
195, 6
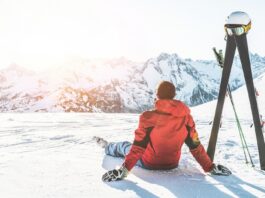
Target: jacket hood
173, 107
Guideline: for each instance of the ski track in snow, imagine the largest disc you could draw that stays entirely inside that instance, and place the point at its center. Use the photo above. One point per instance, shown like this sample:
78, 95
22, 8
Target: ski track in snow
53, 155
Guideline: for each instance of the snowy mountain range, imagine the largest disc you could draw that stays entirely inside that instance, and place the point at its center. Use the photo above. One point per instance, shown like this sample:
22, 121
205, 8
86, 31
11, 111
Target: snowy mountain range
117, 85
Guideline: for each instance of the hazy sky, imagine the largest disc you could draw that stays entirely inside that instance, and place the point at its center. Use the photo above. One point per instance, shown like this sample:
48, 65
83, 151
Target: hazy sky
39, 33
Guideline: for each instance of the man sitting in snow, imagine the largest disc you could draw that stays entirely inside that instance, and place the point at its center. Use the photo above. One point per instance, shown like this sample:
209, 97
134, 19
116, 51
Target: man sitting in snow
159, 138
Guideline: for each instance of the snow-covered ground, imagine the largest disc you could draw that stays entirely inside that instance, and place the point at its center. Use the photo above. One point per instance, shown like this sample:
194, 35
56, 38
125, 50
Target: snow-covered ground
53, 155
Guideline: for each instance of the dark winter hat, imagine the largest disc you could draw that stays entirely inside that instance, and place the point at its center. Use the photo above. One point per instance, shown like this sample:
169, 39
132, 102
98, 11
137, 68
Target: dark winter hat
166, 90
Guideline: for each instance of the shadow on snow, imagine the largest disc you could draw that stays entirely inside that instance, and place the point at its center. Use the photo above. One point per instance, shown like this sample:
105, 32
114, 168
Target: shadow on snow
181, 182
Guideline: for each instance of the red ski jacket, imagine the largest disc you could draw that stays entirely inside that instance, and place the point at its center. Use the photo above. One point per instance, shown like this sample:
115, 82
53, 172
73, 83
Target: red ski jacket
161, 134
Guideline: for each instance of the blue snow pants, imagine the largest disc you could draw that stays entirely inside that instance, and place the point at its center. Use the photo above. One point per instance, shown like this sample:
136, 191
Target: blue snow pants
121, 149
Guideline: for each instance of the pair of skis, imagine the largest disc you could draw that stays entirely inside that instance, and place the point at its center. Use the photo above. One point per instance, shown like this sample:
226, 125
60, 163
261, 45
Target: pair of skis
220, 60
240, 42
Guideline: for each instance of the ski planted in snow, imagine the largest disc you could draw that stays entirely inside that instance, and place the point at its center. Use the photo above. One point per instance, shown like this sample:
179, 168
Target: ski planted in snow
237, 26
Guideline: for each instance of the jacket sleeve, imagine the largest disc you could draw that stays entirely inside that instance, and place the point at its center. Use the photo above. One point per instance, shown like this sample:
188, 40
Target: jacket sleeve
196, 148
141, 140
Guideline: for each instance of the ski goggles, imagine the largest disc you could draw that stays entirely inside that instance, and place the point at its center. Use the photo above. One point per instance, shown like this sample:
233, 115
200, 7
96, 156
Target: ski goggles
237, 30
